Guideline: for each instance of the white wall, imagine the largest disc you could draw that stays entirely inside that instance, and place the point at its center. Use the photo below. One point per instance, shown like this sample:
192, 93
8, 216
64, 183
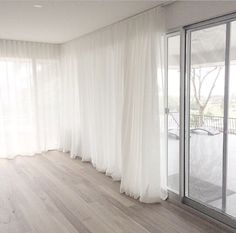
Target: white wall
182, 13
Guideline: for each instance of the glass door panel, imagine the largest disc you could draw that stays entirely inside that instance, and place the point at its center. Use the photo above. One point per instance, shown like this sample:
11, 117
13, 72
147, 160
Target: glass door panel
206, 114
231, 156
173, 95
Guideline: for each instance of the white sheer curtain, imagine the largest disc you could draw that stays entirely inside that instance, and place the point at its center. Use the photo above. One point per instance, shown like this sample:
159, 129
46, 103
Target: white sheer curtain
142, 112
112, 103
99, 97
29, 84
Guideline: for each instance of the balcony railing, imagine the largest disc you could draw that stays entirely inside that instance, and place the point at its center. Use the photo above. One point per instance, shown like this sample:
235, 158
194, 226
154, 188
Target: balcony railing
215, 122
197, 121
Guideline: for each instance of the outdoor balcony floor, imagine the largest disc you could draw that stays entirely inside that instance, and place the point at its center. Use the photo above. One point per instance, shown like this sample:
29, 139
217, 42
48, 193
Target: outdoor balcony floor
205, 174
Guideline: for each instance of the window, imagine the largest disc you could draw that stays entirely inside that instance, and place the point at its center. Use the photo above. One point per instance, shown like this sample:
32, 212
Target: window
206, 105
172, 110
206, 112
230, 205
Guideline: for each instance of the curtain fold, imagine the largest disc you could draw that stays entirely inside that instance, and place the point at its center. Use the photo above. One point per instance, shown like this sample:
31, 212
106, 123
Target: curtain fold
29, 77
113, 103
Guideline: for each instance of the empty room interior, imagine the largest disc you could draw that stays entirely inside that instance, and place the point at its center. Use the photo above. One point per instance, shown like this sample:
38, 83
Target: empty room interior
117, 116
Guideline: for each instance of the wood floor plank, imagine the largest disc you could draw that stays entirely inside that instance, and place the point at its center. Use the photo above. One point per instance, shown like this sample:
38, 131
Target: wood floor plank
12, 218
35, 208
66, 198
51, 193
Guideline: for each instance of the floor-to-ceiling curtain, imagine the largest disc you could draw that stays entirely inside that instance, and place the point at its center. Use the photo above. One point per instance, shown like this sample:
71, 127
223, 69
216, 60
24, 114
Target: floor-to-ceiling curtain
29, 89
100, 97
142, 112
112, 105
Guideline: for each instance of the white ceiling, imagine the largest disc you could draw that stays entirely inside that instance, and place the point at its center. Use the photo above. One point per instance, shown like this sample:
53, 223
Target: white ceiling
61, 21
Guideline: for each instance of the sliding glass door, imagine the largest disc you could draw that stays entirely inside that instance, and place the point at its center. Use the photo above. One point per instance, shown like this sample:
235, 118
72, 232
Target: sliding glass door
210, 116
173, 110
201, 116
230, 202
206, 112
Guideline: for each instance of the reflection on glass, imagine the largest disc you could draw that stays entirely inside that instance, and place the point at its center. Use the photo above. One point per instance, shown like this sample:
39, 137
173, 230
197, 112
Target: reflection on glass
173, 111
206, 115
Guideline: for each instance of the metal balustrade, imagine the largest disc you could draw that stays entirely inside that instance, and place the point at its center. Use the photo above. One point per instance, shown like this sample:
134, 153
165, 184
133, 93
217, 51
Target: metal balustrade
197, 121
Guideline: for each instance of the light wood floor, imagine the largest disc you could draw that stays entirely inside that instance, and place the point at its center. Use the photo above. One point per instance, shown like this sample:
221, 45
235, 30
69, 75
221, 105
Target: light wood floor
52, 193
